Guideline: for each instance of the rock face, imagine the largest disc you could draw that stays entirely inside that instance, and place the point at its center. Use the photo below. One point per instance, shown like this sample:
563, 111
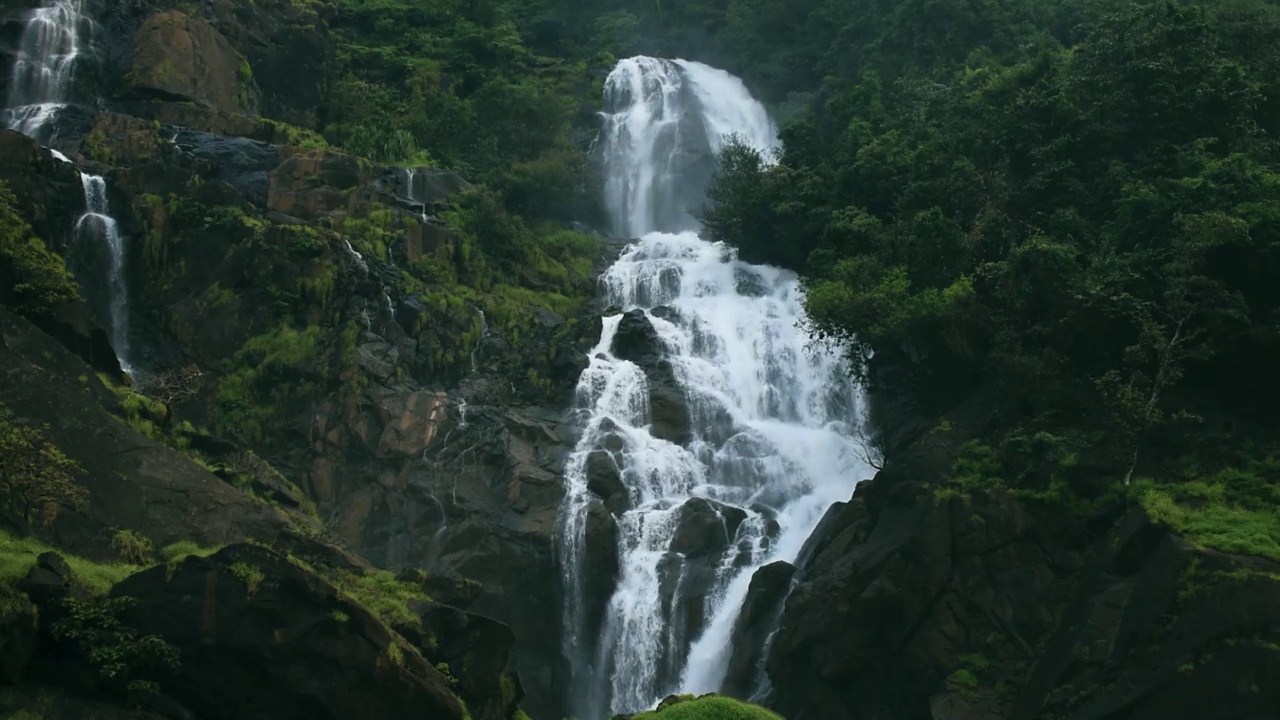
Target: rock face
986, 608
636, 340
179, 57
255, 633
133, 481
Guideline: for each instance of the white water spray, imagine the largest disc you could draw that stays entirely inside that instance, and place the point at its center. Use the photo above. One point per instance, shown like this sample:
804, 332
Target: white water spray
775, 419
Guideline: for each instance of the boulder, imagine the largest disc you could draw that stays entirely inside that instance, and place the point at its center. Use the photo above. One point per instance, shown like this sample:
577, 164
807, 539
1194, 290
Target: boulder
240, 162
410, 422
476, 650
600, 566
636, 340
311, 183
605, 481
758, 618
180, 57
706, 528
261, 638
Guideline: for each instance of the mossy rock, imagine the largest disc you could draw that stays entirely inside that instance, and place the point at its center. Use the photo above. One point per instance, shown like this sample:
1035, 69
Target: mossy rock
707, 707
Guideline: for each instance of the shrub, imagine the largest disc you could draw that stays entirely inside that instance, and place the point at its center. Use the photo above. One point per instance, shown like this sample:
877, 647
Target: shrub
38, 479
131, 547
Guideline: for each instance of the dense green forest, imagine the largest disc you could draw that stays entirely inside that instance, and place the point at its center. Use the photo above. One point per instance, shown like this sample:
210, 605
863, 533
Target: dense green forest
1066, 208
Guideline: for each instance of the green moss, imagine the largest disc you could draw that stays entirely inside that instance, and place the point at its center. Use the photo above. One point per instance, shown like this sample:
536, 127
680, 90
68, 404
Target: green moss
710, 708
179, 551
383, 595
250, 575
34, 278
18, 556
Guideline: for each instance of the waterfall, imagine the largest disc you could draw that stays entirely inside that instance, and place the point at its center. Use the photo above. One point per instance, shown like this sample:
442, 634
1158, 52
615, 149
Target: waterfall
98, 225
664, 122
773, 419
40, 84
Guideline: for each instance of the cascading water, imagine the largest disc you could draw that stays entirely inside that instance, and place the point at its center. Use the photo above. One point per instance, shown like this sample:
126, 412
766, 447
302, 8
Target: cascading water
774, 419
42, 73
98, 225
665, 121
54, 38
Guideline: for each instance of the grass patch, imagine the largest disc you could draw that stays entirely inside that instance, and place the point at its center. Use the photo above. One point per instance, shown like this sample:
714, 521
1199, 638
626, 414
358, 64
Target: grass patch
1232, 510
179, 551
710, 708
251, 575
18, 556
383, 595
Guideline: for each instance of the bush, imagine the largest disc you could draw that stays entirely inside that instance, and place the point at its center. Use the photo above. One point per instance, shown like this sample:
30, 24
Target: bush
131, 547
33, 279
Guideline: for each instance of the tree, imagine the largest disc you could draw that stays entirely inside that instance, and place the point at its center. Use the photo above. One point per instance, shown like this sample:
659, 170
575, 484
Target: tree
39, 480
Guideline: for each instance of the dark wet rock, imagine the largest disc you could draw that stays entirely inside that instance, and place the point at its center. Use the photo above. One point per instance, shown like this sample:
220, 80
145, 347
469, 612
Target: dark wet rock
51, 192
748, 283
476, 650
240, 162
706, 527
897, 592
761, 611
636, 340
255, 632
605, 481
600, 566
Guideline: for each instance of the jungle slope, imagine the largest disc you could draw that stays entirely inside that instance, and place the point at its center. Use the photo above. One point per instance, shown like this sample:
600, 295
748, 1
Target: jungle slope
1048, 232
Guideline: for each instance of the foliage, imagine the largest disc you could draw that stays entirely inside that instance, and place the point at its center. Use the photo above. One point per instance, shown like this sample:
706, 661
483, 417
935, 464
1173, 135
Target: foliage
384, 595
1067, 205
265, 375
114, 648
709, 707
1232, 510
39, 480
131, 547
250, 575
18, 556
33, 279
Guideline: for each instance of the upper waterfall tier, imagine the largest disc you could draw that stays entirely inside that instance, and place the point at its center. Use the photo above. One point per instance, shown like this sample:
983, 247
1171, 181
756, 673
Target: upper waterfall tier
665, 120
54, 37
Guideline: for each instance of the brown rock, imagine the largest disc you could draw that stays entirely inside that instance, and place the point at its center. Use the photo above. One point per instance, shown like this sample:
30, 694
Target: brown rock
410, 423
181, 57
310, 183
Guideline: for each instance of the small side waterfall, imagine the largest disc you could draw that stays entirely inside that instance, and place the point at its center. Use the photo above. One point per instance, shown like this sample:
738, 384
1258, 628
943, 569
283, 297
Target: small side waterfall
97, 225
773, 421
52, 40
